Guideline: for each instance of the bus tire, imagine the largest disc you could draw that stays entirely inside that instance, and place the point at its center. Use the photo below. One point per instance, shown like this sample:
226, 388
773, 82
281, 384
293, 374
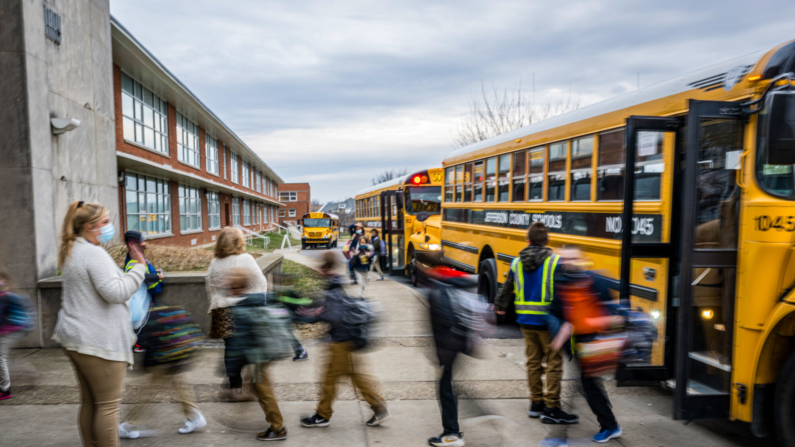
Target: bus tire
415, 277
487, 279
328, 245
785, 403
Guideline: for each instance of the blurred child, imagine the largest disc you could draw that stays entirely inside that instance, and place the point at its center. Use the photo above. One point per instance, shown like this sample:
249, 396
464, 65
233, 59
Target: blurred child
361, 263
349, 319
580, 308
261, 335
286, 295
16, 316
379, 247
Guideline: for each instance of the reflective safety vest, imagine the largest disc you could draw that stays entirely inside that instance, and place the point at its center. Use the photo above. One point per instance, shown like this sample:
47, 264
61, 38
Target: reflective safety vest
534, 290
131, 263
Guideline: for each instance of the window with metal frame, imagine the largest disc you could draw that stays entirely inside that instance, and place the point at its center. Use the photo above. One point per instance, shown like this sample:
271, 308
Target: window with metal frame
292, 213
211, 148
282, 213
190, 208
449, 184
233, 164
581, 158
213, 211
223, 149
246, 175
519, 179
491, 179
459, 183
144, 116
148, 204
535, 175
288, 196
612, 160
246, 212
556, 172
235, 211
187, 141
504, 178
477, 181
258, 181
467, 182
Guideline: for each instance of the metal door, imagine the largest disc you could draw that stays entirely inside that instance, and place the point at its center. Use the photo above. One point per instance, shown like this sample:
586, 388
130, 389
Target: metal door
651, 285
709, 216
392, 231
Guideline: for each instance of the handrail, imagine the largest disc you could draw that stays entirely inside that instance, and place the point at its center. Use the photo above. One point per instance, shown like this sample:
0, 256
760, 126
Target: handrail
250, 233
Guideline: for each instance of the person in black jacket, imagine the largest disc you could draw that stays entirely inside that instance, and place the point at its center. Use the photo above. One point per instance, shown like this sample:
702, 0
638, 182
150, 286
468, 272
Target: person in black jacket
343, 360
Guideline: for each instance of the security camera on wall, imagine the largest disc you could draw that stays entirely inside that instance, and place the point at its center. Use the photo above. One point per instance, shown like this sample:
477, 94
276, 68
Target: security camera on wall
63, 125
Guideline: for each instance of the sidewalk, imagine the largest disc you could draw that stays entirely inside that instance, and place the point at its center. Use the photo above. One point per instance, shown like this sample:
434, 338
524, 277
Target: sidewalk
492, 389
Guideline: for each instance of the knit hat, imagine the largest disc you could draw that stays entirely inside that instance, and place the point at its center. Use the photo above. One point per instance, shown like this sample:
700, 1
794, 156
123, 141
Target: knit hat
133, 235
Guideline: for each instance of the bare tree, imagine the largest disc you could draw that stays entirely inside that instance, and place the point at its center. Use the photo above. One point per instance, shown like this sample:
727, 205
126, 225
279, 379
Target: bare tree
389, 174
504, 111
316, 205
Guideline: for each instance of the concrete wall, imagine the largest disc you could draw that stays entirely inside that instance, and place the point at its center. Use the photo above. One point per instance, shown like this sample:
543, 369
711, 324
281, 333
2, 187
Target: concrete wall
42, 173
183, 289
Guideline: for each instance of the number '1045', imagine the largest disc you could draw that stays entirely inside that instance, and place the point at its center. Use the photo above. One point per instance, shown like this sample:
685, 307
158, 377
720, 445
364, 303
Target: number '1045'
778, 223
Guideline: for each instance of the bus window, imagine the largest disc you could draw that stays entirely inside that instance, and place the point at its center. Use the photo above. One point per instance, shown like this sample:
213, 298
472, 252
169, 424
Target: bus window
649, 165
468, 182
491, 178
449, 179
556, 173
459, 183
478, 180
581, 156
504, 178
519, 176
317, 223
423, 198
612, 159
535, 188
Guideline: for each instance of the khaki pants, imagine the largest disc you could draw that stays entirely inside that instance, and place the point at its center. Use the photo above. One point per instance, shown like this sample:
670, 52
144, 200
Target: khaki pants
101, 382
536, 344
375, 263
267, 400
161, 377
341, 362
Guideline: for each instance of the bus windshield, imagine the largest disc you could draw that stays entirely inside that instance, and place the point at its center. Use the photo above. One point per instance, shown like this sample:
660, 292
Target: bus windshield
317, 223
425, 198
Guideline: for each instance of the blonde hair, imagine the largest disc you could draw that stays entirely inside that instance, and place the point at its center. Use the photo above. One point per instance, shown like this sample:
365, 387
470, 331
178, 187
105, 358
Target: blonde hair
77, 215
230, 242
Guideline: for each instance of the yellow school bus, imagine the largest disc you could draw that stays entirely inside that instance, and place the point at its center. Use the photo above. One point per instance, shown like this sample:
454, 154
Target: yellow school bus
706, 246
320, 229
407, 210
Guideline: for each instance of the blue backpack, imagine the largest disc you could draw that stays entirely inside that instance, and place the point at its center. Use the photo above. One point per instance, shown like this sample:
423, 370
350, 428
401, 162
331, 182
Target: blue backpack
16, 313
139, 307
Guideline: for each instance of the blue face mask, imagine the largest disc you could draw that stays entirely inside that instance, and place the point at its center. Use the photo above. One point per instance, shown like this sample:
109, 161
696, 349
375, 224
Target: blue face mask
358, 231
106, 233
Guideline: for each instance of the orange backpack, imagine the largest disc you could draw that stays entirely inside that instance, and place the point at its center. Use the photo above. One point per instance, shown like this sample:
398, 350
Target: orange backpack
580, 304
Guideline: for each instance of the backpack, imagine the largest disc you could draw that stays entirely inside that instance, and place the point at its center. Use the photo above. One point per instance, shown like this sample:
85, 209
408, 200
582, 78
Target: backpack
16, 313
357, 321
139, 305
346, 249
264, 331
455, 319
379, 246
170, 337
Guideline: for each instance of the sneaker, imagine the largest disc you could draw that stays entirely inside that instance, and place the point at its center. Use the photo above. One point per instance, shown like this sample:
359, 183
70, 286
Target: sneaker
270, 435
315, 421
6, 394
301, 354
198, 421
380, 279
378, 418
127, 431
607, 434
449, 439
138, 348
554, 415
536, 410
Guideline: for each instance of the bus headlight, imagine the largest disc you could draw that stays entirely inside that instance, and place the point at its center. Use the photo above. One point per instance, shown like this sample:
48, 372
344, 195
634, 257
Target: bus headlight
431, 247
707, 314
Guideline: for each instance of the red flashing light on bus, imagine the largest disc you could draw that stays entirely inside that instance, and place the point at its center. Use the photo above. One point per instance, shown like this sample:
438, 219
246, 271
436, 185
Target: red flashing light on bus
416, 180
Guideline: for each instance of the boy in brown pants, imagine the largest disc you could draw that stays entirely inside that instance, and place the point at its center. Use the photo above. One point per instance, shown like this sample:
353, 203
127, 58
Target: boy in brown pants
531, 282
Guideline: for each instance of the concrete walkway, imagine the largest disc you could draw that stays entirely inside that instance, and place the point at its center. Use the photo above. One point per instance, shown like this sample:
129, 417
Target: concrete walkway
492, 389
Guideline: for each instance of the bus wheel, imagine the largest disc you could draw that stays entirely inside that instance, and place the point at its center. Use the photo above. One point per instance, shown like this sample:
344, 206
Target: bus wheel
415, 277
785, 403
487, 279
328, 245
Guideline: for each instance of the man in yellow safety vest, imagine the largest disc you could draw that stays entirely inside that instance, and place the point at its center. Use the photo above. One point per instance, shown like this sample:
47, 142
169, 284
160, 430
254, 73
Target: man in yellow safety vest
532, 282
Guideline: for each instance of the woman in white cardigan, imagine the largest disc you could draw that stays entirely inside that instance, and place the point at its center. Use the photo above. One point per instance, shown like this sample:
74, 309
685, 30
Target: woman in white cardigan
94, 325
230, 254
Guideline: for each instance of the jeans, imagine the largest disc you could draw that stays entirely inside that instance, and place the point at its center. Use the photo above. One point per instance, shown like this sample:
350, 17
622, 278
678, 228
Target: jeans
596, 396
234, 361
448, 402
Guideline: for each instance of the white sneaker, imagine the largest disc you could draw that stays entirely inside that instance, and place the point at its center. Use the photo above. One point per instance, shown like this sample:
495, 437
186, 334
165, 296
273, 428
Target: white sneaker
198, 421
127, 431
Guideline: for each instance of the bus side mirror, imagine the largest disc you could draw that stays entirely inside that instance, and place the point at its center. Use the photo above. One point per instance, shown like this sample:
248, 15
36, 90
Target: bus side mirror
778, 128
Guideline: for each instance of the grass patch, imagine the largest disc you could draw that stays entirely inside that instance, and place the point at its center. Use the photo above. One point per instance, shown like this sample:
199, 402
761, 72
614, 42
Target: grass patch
168, 257
258, 245
306, 282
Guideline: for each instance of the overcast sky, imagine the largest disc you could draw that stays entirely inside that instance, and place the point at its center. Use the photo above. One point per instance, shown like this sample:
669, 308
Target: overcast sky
334, 92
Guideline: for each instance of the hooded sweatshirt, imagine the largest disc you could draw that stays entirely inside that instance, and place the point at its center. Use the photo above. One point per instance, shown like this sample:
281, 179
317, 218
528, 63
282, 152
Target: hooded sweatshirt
532, 257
